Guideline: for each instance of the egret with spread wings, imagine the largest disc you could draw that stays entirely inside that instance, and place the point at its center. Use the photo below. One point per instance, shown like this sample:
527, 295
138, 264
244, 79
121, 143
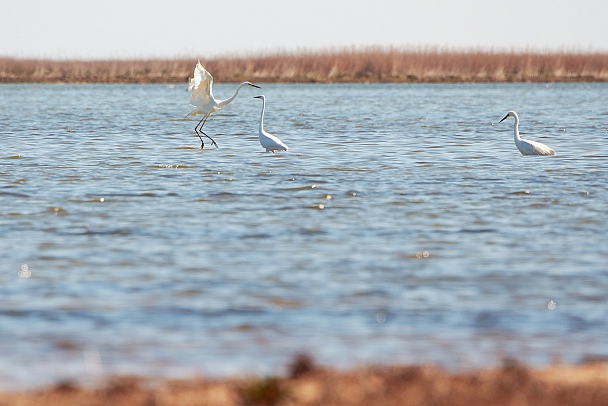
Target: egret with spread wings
201, 89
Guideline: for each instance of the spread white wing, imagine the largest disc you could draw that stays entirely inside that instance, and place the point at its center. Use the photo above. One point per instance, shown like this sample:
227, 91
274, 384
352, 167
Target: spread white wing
200, 88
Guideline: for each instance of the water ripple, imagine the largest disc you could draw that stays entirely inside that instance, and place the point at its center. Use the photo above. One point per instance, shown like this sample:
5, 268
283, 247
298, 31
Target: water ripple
398, 229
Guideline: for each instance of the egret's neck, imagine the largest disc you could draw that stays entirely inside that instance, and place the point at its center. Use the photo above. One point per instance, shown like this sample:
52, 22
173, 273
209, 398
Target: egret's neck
516, 129
262, 115
236, 93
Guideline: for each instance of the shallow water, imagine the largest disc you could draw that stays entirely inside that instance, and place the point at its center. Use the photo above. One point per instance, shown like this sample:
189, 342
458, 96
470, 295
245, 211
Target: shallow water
402, 226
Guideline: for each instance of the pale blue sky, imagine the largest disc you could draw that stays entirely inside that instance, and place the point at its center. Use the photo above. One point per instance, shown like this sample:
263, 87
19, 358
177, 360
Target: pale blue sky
188, 28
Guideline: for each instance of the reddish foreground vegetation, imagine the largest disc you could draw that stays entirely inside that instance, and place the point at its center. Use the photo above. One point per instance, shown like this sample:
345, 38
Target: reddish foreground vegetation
368, 65
307, 384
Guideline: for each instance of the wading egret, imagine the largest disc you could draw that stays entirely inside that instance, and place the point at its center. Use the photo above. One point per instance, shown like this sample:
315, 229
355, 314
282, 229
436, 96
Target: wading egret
201, 89
268, 141
527, 147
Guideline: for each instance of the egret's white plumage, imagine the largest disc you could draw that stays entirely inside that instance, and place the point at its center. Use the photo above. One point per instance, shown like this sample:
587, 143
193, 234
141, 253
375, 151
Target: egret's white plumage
201, 89
268, 141
527, 147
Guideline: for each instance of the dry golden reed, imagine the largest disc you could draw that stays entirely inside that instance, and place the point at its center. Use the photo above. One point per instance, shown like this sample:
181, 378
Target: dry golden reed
340, 65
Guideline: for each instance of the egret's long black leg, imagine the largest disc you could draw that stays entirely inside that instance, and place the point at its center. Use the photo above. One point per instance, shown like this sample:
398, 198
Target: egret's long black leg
202, 142
212, 140
196, 131
199, 130
200, 124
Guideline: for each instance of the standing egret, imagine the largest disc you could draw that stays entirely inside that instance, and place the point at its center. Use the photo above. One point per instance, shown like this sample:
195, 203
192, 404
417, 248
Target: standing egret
527, 147
269, 141
203, 101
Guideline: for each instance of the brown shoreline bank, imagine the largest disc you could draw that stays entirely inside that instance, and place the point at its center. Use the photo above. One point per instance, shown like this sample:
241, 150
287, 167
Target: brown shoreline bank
307, 384
373, 65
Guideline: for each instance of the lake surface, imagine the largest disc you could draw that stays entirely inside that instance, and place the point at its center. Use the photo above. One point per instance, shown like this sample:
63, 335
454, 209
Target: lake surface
403, 226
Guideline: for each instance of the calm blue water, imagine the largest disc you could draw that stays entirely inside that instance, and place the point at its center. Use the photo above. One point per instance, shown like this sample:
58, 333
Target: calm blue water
402, 226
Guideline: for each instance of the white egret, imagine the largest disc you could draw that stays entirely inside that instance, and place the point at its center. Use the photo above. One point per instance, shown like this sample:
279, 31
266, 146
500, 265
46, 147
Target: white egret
269, 141
201, 89
527, 147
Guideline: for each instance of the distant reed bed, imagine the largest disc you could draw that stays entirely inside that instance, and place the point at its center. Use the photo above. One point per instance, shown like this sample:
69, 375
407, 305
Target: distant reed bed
345, 65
